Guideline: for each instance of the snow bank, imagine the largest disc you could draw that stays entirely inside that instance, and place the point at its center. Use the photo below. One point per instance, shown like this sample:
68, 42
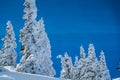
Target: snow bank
6, 77
25, 76
117, 79
10, 68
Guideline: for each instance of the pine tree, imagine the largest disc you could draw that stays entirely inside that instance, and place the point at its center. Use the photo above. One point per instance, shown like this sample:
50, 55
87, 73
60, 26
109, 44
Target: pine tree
82, 52
91, 53
104, 72
92, 64
27, 38
35, 44
8, 58
44, 50
67, 66
80, 69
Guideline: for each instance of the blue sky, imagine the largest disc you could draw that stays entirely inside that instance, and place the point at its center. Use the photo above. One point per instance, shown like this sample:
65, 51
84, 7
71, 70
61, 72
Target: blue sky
78, 16
70, 23
62, 16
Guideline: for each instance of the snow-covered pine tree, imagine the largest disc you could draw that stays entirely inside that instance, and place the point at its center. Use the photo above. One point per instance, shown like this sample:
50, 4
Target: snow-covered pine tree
8, 58
82, 52
91, 53
35, 44
80, 68
44, 50
67, 66
92, 64
104, 72
27, 38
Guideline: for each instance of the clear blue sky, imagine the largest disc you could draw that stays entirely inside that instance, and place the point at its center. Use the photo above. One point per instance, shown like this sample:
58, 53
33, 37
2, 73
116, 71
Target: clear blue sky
63, 16
70, 23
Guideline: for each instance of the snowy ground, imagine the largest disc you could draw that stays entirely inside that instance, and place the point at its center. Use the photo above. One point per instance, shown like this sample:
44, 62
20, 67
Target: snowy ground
24, 76
117, 79
21, 76
12, 75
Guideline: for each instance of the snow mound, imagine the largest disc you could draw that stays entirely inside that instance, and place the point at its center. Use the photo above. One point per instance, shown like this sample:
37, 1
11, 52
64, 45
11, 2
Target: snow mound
24, 76
10, 68
117, 79
6, 77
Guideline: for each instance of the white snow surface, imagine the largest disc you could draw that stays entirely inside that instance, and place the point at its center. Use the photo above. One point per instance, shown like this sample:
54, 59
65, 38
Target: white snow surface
24, 76
10, 68
117, 79
9, 73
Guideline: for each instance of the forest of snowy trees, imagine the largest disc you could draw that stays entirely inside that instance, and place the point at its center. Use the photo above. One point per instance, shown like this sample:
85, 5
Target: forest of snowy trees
85, 68
36, 52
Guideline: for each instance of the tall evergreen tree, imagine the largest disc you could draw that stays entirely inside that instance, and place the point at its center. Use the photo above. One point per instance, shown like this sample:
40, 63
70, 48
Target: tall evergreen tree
91, 53
27, 37
103, 70
67, 66
80, 69
44, 50
92, 64
8, 58
36, 47
82, 52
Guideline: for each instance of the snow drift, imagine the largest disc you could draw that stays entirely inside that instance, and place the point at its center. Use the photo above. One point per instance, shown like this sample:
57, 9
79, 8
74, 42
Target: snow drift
20, 76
